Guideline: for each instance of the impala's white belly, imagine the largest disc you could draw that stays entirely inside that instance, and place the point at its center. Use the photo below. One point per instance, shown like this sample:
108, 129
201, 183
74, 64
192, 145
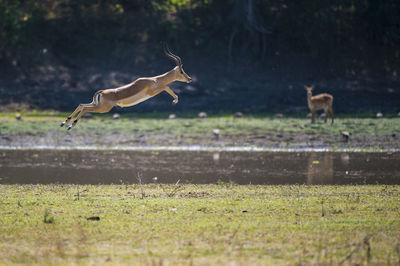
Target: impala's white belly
133, 100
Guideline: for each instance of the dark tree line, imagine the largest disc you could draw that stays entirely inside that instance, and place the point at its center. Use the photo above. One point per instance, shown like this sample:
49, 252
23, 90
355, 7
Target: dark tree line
230, 29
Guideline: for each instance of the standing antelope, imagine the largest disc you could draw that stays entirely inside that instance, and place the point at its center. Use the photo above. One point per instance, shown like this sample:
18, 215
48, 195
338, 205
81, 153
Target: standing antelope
133, 93
318, 102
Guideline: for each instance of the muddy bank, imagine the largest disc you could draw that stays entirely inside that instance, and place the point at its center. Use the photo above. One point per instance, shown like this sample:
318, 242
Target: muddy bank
285, 141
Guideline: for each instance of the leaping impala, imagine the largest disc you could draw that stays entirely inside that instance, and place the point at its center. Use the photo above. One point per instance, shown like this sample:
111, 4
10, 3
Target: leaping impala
133, 93
321, 101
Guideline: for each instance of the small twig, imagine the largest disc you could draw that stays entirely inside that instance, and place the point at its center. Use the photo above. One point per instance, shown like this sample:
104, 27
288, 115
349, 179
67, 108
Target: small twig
359, 245
366, 242
78, 191
234, 233
348, 256
139, 179
176, 188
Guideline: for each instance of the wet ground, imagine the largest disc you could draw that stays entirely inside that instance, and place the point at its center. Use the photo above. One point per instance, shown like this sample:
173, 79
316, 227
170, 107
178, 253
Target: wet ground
202, 167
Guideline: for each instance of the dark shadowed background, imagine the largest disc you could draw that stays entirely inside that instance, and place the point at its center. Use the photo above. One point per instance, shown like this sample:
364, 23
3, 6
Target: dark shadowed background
244, 55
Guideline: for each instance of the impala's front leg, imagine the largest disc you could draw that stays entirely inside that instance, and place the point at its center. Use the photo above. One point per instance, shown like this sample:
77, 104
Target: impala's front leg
170, 92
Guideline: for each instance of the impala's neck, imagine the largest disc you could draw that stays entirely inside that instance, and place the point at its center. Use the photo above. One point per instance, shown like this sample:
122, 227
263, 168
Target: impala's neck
167, 77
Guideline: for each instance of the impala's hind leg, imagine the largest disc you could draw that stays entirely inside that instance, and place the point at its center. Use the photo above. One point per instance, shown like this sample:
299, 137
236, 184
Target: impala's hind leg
77, 110
74, 113
91, 108
95, 102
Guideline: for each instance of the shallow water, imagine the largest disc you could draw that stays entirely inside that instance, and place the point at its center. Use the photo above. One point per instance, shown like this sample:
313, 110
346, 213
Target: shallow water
200, 167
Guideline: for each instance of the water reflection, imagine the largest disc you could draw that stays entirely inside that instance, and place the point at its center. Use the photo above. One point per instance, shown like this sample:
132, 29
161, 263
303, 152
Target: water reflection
320, 169
345, 158
216, 157
107, 167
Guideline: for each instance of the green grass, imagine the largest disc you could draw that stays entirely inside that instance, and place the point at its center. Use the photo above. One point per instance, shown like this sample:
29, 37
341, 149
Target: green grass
188, 123
199, 224
256, 130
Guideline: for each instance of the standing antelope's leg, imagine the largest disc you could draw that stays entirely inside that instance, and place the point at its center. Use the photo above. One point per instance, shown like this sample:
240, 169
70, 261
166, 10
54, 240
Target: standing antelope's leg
170, 92
331, 111
313, 116
326, 115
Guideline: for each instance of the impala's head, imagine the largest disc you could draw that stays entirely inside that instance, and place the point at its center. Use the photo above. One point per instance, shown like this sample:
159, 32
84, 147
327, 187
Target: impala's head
309, 88
180, 73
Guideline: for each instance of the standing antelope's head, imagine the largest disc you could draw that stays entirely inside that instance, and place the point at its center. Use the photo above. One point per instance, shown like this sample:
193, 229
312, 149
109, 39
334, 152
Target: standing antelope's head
180, 73
309, 89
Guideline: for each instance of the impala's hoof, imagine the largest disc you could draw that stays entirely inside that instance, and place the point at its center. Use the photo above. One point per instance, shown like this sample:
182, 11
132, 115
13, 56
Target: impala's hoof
62, 124
69, 128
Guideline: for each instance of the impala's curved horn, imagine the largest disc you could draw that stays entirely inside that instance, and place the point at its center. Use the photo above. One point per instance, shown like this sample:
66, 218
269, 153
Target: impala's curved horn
176, 58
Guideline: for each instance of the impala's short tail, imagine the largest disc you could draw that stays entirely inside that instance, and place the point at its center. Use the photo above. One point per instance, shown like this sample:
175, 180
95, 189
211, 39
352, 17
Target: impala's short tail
96, 97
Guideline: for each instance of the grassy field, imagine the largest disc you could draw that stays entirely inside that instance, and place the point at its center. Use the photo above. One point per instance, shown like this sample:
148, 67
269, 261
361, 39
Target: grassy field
199, 224
156, 129
188, 224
